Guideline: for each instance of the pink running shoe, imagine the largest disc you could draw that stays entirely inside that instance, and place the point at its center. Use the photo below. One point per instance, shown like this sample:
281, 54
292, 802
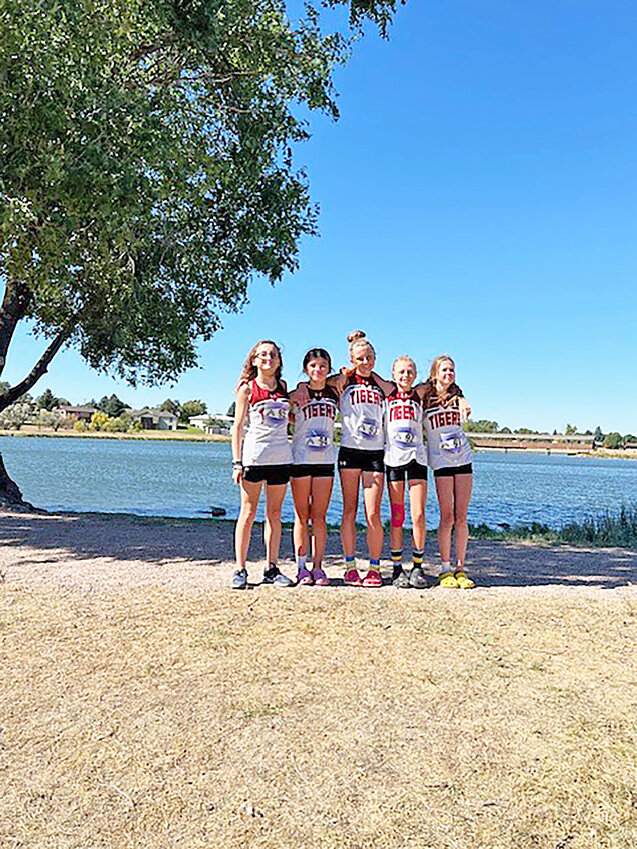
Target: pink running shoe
373, 579
304, 578
320, 578
352, 578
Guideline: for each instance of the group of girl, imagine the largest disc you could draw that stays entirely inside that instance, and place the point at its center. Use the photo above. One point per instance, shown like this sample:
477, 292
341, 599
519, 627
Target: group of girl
382, 424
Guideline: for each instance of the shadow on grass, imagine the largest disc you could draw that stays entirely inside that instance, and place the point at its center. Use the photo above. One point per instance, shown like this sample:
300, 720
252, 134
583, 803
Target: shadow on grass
63, 537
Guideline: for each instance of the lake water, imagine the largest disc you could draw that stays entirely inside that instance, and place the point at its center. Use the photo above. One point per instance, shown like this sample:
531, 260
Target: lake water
186, 478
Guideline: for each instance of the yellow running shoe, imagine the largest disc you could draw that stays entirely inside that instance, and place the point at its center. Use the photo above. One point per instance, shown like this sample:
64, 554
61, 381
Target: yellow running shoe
463, 581
448, 581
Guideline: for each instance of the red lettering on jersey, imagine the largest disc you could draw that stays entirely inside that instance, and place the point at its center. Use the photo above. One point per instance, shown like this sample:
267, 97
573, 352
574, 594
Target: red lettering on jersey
363, 395
401, 411
312, 411
449, 417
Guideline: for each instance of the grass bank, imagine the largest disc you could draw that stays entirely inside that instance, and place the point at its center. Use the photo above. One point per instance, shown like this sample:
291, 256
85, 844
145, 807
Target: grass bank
328, 720
610, 529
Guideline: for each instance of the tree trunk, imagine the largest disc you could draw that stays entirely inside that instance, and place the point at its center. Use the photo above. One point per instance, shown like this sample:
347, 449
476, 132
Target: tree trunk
10, 495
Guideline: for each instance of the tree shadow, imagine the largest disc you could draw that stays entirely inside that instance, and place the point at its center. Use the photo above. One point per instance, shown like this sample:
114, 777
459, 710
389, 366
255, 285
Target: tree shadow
56, 538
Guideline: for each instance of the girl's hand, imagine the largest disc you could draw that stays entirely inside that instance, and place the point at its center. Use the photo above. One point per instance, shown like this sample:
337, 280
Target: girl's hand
465, 409
237, 474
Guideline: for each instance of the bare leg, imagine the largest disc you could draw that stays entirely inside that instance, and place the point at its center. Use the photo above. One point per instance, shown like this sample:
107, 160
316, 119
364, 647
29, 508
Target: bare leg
462, 493
418, 502
396, 491
349, 487
372, 495
321, 493
272, 529
243, 531
444, 488
301, 488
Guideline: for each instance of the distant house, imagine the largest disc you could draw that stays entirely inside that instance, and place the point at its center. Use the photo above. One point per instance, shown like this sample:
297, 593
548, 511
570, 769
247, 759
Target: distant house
153, 419
212, 422
80, 414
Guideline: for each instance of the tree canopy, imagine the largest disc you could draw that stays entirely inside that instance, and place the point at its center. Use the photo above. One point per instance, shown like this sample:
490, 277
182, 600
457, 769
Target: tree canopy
146, 168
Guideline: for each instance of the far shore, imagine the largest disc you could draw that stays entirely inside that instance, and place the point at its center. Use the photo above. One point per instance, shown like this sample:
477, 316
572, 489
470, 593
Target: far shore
194, 436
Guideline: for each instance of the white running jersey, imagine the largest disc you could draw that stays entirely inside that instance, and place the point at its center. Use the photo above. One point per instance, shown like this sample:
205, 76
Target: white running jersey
362, 406
447, 443
313, 440
404, 438
266, 439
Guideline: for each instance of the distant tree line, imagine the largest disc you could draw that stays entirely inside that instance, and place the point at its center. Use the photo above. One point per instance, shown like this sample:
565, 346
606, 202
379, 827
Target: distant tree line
44, 411
600, 439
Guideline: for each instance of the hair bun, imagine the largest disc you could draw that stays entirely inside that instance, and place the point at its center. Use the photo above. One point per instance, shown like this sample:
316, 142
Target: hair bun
355, 335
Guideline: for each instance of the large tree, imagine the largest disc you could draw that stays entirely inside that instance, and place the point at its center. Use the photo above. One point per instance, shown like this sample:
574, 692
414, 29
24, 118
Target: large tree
146, 169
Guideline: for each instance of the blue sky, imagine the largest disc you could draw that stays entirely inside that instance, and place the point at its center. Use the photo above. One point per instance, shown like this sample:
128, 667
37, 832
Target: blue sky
477, 197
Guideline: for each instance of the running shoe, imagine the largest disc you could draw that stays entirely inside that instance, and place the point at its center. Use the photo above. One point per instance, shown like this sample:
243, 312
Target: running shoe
401, 580
417, 578
274, 576
304, 578
398, 571
372, 579
240, 579
320, 578
352, 578
464, 582
448, 581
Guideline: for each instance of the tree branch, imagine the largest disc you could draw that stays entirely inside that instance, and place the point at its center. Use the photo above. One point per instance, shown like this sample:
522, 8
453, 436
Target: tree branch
40, 368
14, 306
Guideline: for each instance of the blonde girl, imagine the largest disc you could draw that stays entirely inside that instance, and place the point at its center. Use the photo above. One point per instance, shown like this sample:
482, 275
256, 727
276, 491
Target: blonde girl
263, 456
449, 455
406, 462
361, 457
313, 464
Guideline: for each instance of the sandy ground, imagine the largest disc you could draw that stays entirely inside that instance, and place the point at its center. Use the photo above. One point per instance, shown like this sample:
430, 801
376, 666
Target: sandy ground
103, 553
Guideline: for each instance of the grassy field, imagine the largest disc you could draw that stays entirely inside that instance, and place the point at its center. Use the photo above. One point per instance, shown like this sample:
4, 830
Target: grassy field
333, 719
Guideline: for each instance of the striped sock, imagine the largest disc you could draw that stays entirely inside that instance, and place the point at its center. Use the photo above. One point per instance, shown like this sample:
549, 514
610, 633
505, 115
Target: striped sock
374, 565
418, 554
397, 556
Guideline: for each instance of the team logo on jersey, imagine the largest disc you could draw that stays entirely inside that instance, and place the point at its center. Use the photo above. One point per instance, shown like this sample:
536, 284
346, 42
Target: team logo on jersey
368, 429
404, 437
317, 441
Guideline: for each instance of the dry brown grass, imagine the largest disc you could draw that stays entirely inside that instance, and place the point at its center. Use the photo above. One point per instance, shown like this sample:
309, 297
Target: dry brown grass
317, 718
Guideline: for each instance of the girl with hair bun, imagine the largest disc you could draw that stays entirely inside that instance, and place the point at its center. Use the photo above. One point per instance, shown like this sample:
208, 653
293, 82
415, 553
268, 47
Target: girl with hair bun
361, 457
406, 462
313, 464
449, 455
262, 456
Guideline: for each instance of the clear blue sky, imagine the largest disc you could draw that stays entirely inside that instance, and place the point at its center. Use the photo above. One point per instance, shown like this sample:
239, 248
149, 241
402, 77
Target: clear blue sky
478, 197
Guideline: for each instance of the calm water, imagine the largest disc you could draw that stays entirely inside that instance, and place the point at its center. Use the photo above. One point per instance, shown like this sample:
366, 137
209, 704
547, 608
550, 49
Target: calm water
186, 478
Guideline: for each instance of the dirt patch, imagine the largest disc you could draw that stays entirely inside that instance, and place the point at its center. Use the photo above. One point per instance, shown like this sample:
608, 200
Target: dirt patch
144, 704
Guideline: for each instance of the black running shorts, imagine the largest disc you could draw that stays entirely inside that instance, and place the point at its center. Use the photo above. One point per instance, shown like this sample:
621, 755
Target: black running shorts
412, 471
313, 470
451, 471
365, 461
272, 475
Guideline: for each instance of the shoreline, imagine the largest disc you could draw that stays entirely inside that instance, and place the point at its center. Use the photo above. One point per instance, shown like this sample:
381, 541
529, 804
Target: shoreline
109, 553
189, 436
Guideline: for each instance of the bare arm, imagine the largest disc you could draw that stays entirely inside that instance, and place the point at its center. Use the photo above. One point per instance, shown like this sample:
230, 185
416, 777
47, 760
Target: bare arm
240, 413
387, 386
